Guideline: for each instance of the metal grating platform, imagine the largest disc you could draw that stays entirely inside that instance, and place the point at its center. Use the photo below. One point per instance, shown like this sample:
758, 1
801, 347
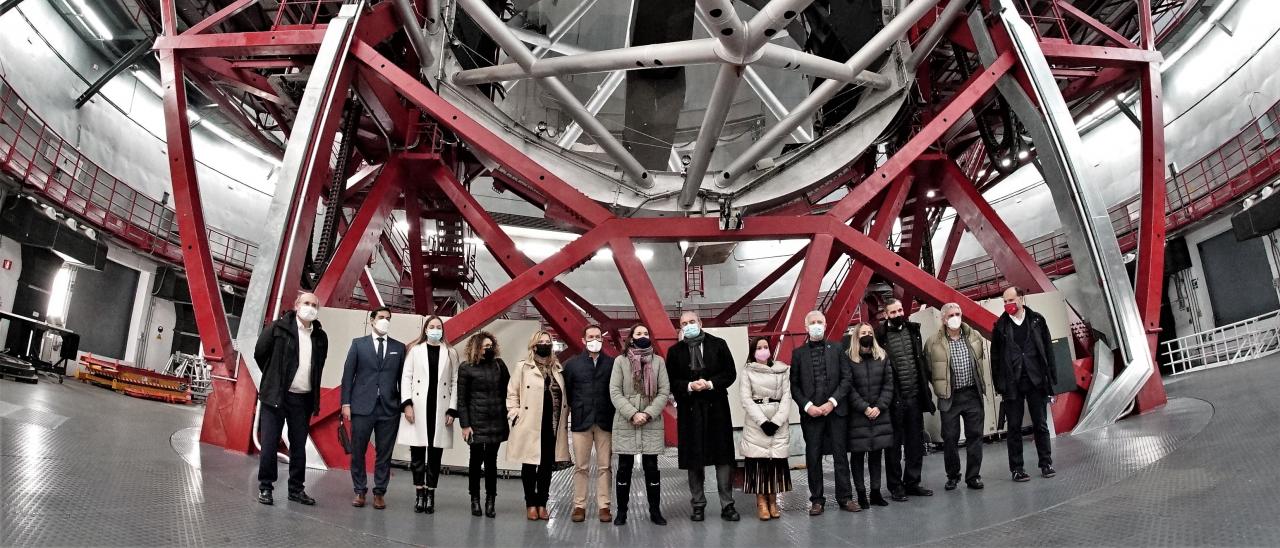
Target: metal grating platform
121, 471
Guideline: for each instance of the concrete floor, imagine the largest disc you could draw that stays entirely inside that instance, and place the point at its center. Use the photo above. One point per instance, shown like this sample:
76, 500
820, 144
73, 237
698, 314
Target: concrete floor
80, 465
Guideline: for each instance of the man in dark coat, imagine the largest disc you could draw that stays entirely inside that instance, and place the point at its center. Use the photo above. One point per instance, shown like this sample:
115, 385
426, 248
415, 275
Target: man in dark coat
371, 403
820, 386
701, 370
586, 380
1022, 369
290, 353
912, 398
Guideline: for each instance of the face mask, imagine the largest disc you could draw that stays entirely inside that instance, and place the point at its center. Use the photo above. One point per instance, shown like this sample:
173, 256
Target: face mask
434, 335
542, 350
308, 313
690, 331
488, 354
762, 355
866, 340
897, 321
381, 325
641, 342
817, 330
594, 346
953, 322
1011, 308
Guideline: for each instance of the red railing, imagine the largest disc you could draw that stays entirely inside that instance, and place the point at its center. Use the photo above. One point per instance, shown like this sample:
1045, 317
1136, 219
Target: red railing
44, 162
1242, 164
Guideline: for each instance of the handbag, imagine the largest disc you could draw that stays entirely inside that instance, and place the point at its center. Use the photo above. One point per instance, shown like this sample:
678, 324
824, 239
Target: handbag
344, 435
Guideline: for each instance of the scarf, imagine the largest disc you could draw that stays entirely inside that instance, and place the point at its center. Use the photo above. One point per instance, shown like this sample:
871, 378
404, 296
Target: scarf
544, 366
695, 351
643, 374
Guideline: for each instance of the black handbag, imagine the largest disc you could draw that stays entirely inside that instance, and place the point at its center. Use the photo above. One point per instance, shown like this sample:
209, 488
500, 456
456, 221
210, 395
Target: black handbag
344, 435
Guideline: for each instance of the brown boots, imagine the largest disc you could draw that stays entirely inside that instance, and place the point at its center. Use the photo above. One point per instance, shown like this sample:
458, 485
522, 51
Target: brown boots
774, 512
767, 507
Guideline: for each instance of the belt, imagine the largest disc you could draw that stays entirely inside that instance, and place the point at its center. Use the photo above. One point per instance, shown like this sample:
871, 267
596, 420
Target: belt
767, 400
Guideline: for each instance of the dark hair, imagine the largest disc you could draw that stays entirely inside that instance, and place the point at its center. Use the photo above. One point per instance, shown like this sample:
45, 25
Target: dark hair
751, 353
374, 313
475, 347
423, 335
632, 331
890, 301
591, 326
1017, 290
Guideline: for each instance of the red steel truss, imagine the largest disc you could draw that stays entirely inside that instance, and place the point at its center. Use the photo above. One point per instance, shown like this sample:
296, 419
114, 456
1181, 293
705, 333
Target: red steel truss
400, 99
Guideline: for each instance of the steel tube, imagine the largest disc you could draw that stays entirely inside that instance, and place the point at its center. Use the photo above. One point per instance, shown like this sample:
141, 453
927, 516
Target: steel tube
772, 103
891, 32
725, 26
934, 35
773, 55
726, 87
562, 28
670, 54
772, 19
597, 101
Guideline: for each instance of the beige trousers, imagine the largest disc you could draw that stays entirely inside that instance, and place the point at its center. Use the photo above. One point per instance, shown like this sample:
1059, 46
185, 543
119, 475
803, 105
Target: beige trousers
583, 442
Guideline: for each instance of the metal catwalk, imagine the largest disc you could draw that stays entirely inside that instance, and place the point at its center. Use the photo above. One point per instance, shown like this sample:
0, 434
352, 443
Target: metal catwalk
85, 466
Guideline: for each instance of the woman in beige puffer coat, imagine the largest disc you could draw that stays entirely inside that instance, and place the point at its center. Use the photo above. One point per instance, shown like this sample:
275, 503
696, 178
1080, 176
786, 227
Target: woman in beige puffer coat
765, 387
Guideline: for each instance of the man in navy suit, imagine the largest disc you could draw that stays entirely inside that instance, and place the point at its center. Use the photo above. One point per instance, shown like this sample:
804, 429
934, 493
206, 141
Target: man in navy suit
371, 403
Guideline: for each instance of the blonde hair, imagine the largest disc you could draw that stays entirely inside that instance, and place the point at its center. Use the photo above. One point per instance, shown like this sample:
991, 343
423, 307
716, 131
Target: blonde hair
876, 352
533, 341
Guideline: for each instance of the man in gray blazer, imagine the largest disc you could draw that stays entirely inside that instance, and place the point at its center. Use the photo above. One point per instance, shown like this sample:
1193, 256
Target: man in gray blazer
371, 403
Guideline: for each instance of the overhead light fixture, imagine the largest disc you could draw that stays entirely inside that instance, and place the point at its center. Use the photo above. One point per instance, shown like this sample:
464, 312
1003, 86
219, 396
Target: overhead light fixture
931, 193
982, 173
684, 245
1005, 162
92, 21
59, 294
1023, 154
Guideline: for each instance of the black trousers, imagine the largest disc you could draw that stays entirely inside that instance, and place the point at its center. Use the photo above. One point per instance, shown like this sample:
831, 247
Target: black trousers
424, 462
908, 440
483, 455
622, 476
873, 459
382, 425
537, 477
295, 410
1037, 404
829, 432
966, 403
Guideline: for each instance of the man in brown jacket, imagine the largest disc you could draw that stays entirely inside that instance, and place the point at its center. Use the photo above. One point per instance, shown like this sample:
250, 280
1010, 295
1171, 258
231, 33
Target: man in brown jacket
956, 357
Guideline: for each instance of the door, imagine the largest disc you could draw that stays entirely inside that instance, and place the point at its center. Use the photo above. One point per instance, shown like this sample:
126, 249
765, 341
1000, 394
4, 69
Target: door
1238, 278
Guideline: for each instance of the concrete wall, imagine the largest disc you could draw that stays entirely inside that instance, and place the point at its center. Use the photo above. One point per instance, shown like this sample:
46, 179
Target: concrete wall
10, 250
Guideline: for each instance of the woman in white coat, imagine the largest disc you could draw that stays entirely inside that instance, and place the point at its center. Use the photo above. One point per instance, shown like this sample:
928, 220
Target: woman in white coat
765, 387
430, 406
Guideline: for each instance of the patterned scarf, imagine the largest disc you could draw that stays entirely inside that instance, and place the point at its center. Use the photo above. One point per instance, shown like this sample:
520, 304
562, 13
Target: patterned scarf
695, 350
644, 375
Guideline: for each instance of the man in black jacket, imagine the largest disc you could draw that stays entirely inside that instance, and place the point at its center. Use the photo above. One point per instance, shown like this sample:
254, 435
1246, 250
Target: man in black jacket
911, 400
586, 379
371, 403
820, 384
290, 352
1022, 369
701, 369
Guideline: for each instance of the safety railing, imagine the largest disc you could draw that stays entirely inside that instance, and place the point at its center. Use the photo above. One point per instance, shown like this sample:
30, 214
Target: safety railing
44, 162
309, 13
1232, 343
1248, 160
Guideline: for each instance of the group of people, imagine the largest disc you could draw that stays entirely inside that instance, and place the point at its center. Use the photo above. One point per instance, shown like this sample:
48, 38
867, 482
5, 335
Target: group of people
861, 400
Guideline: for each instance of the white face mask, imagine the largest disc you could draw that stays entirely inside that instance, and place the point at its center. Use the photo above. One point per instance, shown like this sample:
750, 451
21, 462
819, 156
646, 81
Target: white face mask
434, 335
817, 330
308, 313
953, 322
594, 346
382, 325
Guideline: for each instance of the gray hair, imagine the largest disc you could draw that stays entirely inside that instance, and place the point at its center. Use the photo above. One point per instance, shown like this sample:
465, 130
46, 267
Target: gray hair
813, 313
949, 306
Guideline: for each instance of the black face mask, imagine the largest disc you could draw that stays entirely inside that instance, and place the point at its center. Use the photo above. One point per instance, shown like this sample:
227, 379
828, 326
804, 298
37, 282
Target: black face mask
542, 350
866, 340
488, 354
641, 343
897, 321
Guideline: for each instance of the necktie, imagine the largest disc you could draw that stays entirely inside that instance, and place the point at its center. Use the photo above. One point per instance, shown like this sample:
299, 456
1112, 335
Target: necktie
380, 353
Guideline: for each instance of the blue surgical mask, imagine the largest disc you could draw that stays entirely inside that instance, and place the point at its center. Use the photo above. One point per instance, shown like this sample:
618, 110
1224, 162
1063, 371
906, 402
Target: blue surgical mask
434, 335
691, 330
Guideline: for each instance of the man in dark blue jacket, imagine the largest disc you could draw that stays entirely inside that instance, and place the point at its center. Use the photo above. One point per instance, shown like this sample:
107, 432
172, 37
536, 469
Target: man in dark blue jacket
586, 379
290, 353
371, 403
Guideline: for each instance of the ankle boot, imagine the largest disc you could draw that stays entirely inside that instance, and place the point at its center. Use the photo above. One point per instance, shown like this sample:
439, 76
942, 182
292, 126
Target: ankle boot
862, 498
774, 512
655, 503
762, 508
420, 504
430, 506
622, 494
475, 505
490, 509
877, 499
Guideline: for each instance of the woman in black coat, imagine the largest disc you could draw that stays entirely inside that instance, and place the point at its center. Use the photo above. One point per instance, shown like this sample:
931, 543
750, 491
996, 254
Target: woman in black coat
482, 410
870, 427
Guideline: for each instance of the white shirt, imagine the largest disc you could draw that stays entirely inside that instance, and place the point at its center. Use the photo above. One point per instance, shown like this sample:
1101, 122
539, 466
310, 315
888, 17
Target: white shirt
302, 379
1018, 321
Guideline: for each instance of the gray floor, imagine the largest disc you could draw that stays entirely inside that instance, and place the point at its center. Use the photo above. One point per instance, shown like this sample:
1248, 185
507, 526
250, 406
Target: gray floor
84, 466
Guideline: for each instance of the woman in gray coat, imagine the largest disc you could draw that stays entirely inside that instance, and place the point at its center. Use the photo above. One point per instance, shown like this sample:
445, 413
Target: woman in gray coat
870, 427
639, 390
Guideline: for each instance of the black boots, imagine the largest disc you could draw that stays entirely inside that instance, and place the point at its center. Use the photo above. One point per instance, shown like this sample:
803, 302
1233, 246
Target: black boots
622, 495
862, 497
877, 498
431, 501
475, 505
489, 509
654, 492
420, 504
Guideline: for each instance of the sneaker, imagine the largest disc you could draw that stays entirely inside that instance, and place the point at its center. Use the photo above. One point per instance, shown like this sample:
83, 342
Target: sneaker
1020, 476
264, 497
951, 484
1048, 471
301, 497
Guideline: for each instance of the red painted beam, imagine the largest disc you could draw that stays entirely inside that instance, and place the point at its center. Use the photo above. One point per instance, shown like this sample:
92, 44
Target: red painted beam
419, 273
358, 244
1151, 230
1006, 251
228, 420
855, 282
949, 252
246, 44
1094, 24
804, 297
965, 98
755, 291
243, 80
1102, 56
237, 116
643, 295
217, 18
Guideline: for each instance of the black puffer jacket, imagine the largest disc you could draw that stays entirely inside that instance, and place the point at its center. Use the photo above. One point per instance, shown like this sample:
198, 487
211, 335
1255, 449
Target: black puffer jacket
277, 357
482, 400
872, 387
